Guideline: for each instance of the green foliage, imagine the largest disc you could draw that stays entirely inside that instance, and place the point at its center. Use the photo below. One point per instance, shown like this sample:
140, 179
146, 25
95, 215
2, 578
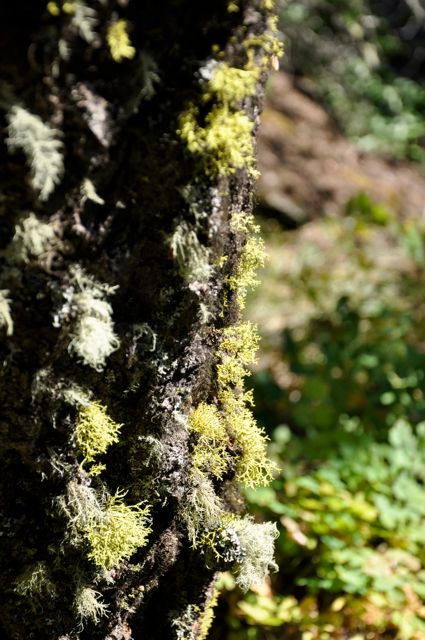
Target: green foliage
342, 389
347, 52
41, 145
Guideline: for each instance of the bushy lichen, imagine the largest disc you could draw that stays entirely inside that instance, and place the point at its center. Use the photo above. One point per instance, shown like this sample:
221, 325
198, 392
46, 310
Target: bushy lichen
111, 529
92, 336
6, 321
224, 141
88, 604
251, 259
201, 508
191, 256
231, 85
209, 453
236, 352
35, 582
42, 146
95, 431
119, 41
30, 240
257, 544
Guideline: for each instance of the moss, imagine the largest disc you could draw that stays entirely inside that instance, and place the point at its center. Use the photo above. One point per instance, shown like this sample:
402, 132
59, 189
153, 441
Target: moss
31, 239
119, 41
88, 605
209, 453
224, 142
95, 431
6, 321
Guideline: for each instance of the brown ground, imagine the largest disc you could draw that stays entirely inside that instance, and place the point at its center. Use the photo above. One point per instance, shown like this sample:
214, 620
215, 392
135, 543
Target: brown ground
309, 168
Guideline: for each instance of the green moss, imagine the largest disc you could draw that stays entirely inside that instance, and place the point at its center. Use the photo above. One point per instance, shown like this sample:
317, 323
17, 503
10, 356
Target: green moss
95, 431
119, 41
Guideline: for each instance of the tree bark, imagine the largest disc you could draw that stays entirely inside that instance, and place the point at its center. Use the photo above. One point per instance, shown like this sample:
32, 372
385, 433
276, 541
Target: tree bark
120, 255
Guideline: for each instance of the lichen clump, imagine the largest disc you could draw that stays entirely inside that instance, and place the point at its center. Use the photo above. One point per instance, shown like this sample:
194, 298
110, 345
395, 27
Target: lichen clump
119, 43
6, 321
31, 239
95, 431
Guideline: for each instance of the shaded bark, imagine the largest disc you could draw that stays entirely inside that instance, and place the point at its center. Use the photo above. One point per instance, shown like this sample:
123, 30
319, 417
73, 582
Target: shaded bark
128, 182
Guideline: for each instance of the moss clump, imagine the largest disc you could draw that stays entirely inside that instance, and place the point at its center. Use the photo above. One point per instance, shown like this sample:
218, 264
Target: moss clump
95, 431
209, 453
119, 41
224, 141
6, 321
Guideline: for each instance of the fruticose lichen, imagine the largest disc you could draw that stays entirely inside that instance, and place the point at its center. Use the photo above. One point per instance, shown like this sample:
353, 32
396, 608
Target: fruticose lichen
42, 146
30, 240
209, 453
95, 431
257, 545
111, 529
191, 256
92, 335
201, 509
119, 41
88, 604
6, 321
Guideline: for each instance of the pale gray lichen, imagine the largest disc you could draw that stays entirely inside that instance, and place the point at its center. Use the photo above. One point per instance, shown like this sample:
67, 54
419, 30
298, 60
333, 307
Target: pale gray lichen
92, 337
88, 604
257, 546
202, 508
35, 581
84, 20
41, 144
191, 256
5, 315
30, 240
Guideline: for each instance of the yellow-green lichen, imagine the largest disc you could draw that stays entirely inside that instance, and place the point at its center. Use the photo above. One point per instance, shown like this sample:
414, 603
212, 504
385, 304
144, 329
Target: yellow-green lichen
207, 616
230, 84
95, 431
236, 352
112, 530
251, 259
209, 453
202, 508
224, 141
119, 41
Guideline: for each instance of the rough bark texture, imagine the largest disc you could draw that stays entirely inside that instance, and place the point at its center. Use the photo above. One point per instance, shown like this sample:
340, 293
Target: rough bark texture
112, 228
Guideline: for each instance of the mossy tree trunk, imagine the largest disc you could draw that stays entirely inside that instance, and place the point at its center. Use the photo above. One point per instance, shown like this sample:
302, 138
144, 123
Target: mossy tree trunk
126, 179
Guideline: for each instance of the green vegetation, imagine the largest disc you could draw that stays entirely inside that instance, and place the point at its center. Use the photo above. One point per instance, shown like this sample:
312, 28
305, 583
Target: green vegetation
350, 57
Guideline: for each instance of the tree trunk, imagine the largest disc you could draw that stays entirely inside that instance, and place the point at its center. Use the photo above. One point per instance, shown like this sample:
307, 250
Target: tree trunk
127, 248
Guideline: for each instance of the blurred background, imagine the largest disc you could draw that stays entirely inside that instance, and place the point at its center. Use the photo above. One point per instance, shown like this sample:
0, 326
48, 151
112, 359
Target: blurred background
340, 382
